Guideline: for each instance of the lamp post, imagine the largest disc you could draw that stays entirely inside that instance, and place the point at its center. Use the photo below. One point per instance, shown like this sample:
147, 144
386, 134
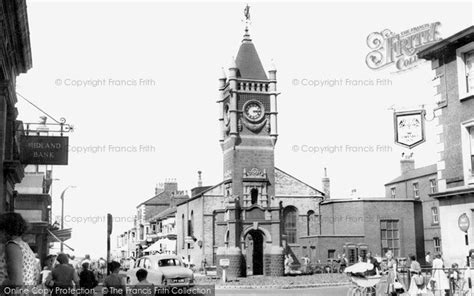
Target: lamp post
62, 211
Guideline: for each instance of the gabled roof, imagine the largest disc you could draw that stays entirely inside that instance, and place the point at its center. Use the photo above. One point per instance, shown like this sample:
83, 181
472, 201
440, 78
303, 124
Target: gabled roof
305, 189
416, 173
457, 40
248, 62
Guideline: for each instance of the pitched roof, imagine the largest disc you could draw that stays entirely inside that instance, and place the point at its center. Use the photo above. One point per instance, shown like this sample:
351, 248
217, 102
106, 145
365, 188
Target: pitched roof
164, 214
309, 189
458, 39
416, 173
248, 62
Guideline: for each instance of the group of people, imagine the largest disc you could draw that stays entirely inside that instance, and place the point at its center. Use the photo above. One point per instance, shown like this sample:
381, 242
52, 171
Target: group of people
439, 283
20, 267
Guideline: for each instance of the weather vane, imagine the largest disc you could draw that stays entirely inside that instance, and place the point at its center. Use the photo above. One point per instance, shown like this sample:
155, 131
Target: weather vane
247, 16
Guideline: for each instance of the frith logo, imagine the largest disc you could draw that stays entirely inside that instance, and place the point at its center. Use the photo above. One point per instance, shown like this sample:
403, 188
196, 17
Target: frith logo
399, 49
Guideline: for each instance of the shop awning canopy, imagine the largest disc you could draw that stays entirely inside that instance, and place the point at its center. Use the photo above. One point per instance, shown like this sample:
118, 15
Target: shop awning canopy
60, 236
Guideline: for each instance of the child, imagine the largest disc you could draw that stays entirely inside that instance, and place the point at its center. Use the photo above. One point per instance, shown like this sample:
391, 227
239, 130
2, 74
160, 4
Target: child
143, 287
454, 277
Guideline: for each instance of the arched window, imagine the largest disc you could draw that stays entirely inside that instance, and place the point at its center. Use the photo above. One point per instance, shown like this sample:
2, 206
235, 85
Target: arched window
290, 215
309, 221
183, 233
254, 196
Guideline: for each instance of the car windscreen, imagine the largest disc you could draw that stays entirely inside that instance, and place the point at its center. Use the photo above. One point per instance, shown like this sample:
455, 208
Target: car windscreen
169, 262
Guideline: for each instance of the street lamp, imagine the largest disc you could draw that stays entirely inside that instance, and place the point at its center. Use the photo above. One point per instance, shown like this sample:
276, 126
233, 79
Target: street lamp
62, 210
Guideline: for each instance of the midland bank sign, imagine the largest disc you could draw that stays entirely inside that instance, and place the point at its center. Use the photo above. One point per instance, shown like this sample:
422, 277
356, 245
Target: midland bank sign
44, 150
399, 49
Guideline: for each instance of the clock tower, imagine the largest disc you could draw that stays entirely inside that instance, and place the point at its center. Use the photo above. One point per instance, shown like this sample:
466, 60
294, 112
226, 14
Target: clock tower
248, 134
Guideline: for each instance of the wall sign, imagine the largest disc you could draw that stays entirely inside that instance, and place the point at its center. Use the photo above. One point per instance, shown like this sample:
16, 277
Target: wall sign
409, 128
44, 150
463, 222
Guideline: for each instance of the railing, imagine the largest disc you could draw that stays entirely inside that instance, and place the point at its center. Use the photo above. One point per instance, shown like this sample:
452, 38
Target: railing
457, 285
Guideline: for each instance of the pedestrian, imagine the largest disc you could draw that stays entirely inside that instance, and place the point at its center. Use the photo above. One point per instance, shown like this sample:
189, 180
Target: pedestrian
20, 261
344, 261
439, 280
417, 282
393, 284
143, 287
288, 262
114, 284
454, 277
428, 259
47, 269
376, 266
63, 277
87, 280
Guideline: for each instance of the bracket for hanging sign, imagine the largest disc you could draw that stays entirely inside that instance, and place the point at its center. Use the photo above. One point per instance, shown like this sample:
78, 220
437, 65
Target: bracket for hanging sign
60, 127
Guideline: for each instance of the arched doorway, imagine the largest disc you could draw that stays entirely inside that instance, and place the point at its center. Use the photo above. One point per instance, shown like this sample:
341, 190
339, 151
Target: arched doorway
254, 241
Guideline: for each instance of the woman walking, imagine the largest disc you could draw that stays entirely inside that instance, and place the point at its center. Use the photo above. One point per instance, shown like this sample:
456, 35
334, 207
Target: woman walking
63, 277
417, 283
440, 279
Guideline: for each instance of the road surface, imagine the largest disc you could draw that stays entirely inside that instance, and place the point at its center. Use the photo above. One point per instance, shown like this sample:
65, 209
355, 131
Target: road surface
325, 291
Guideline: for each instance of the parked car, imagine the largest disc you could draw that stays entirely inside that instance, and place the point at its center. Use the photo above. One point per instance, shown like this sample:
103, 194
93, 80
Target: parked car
163, 269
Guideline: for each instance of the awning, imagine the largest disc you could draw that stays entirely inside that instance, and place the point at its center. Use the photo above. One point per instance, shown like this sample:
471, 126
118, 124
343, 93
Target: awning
61, 238
155, 247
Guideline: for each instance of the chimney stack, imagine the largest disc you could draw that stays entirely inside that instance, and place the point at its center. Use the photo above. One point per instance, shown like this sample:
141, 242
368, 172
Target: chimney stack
407, 163
326, 185
170, 185
199, 179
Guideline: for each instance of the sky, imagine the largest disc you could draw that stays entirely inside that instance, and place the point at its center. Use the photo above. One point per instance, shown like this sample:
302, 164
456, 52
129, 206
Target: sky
139, 82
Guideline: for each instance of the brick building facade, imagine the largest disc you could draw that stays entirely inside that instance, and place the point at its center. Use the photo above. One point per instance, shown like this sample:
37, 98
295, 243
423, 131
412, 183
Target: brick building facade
418, 184
259, 213
15, 59
452, 60
376, 224
251, 218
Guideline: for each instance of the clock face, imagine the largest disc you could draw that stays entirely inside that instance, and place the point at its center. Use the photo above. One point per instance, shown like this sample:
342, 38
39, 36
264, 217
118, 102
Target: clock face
253, 111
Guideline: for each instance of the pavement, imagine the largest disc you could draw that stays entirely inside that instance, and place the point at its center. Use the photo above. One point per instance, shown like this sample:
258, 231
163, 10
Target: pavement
284, 282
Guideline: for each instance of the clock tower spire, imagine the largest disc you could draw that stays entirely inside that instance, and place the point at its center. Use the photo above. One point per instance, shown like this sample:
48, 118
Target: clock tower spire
248, 135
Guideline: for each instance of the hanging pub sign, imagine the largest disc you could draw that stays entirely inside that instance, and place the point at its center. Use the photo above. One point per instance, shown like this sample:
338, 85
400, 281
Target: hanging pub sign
409, 128
44, 150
